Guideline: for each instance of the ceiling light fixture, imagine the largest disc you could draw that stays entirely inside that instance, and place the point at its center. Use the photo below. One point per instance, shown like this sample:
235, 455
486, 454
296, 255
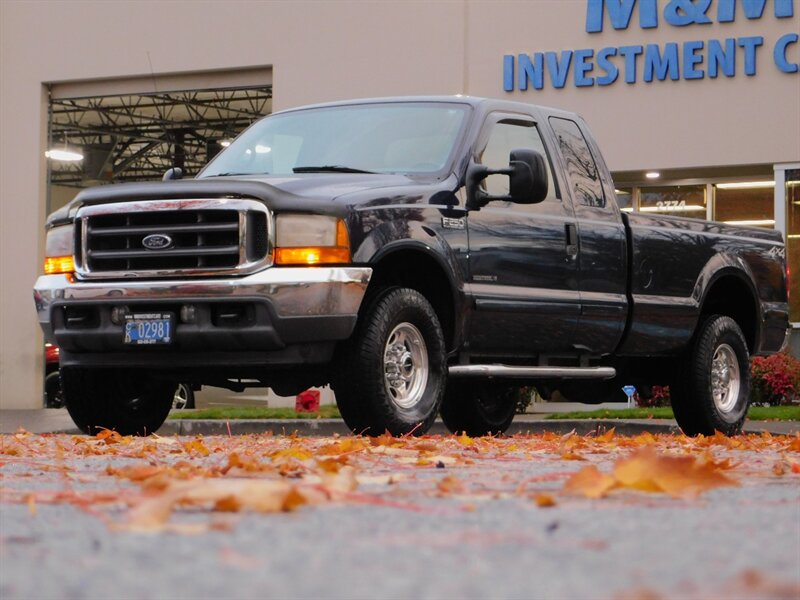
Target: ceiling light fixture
224, 143
752, 222
652, 174
64, 154
746, 185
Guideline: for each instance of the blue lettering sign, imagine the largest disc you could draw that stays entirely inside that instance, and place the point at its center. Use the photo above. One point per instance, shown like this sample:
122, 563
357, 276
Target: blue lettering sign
603, 62
691, 59
722, 58
630, 53
780, 53
620, 13
655, 63
750, 45
686, 12
559, 68
753, 9
531, 71
582, 67
508, 73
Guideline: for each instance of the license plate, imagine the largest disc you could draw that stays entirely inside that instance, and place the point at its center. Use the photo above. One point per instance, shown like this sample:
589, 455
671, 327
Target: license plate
150, 328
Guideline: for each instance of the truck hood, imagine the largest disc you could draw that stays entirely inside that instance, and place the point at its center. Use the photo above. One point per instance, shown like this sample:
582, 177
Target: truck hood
308, 192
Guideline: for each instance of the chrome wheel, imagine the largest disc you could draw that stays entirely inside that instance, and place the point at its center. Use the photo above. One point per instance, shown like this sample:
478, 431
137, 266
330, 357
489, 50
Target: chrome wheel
181, 398
405, 365
725, 378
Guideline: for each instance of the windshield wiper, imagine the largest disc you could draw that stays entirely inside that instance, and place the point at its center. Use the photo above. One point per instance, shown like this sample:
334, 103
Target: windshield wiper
232, 173
329, 169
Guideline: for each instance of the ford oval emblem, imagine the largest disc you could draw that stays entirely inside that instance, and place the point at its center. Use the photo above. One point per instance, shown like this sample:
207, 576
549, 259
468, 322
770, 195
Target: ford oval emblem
157, 241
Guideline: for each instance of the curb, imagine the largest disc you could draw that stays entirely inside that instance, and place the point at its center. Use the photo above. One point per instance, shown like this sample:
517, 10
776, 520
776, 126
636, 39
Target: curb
331, 427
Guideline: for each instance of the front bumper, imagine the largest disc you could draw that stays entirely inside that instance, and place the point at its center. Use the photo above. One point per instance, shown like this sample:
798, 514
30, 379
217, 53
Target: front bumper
267, 311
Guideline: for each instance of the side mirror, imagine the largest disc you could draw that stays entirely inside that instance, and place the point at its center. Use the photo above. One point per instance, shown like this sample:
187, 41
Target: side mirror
172, 174
527, 180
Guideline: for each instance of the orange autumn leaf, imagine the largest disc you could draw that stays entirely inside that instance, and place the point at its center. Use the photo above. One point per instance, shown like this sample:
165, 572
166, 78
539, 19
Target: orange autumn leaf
465, 440
108, 436
607, 436
649, 471
450, 485
296, 452
196, 445
589, 482
226, 495
569, 455
544, 500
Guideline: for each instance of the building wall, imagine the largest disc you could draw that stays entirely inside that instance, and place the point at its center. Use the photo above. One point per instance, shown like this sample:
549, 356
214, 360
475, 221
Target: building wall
323, 51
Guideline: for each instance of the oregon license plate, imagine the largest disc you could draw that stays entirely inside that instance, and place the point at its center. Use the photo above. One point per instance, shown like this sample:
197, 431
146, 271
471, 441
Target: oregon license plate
149, 328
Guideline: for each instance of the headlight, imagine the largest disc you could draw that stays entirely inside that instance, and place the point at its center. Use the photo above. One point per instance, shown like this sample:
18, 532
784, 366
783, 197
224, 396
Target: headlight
310, 240
59, 250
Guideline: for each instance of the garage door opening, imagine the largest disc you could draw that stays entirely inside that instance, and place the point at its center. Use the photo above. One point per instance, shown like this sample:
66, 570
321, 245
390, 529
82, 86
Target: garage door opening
138, 129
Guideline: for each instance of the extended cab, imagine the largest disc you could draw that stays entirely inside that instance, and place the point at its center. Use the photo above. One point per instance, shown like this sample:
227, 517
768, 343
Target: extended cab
423, 256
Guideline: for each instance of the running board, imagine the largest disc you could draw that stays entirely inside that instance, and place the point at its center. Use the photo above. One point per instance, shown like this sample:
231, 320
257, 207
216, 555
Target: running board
533, 372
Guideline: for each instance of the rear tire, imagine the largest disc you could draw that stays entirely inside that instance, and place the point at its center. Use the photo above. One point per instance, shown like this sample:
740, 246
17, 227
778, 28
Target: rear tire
711, 388
183, 397
128, 402
479, 408
392, 375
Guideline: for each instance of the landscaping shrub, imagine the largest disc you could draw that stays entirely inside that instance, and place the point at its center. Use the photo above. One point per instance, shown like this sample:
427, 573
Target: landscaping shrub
775, 382
659, 397
776, 379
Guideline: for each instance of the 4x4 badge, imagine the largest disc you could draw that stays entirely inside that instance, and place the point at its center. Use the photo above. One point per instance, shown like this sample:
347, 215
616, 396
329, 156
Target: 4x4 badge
157, 241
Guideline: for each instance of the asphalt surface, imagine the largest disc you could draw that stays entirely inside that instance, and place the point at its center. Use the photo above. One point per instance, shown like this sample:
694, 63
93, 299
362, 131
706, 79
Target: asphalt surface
733, 542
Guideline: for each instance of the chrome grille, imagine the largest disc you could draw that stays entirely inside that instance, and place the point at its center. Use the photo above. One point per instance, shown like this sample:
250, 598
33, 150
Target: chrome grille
200, 237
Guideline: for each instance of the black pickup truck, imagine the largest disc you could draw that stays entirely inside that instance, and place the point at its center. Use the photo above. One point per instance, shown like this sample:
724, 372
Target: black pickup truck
424, 256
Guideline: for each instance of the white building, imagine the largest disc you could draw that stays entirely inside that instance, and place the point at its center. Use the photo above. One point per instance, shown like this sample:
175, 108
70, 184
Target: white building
705, 94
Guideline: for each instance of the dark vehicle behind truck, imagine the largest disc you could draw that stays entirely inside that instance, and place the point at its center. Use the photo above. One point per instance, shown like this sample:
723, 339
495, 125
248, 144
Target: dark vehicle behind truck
424, 256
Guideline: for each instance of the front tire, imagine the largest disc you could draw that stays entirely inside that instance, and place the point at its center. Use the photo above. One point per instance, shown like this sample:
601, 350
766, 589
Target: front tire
711, 388
130, 403
393, 372
479, 408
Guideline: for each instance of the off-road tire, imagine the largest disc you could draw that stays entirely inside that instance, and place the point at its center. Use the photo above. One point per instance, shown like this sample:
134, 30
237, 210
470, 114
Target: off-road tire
718, 341
368, 402
479, 408
53, 394
128, 402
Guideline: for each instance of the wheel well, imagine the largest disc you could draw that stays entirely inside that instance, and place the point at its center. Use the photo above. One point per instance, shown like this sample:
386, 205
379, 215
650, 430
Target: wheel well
731, 297
416, 270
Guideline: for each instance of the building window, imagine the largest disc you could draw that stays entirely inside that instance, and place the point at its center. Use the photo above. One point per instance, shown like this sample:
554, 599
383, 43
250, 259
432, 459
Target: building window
746, 203
793, 241
624, 198
677, 200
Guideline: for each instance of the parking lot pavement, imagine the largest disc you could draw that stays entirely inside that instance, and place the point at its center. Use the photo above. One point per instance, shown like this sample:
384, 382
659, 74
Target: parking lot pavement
429, 518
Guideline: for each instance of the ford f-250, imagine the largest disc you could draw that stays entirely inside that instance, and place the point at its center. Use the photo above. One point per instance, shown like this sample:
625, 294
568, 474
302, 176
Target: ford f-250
424, 256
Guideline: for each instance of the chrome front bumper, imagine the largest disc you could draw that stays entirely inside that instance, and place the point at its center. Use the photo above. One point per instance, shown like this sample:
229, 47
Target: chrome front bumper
291, 292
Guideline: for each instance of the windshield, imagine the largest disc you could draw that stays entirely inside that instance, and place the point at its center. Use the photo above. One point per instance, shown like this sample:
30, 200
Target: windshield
411, 137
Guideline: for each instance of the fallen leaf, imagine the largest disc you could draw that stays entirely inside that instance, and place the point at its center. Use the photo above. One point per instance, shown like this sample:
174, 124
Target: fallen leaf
544, 500
589, 482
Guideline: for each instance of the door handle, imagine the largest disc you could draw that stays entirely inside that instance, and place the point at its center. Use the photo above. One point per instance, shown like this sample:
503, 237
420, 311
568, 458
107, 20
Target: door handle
572, 240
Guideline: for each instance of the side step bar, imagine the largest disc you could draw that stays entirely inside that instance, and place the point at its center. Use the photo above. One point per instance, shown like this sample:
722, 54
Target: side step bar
533, 372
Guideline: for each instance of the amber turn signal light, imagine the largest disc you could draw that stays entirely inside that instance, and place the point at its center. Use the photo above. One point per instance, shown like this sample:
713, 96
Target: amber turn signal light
58, 264
317, 255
